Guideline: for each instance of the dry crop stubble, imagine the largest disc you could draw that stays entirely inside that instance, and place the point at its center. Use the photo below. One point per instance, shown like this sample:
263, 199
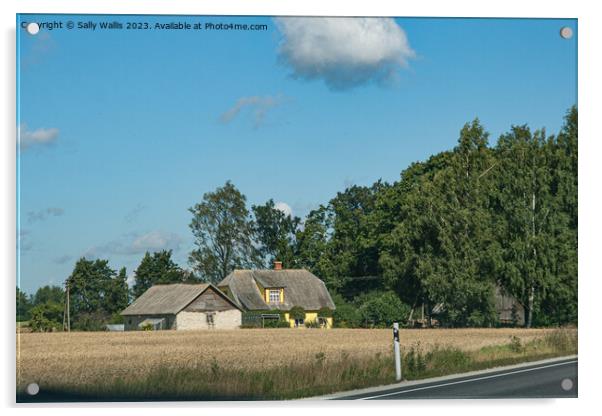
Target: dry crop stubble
82, 357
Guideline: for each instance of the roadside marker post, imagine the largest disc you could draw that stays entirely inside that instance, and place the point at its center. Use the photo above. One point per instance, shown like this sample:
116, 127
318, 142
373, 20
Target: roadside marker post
397, 351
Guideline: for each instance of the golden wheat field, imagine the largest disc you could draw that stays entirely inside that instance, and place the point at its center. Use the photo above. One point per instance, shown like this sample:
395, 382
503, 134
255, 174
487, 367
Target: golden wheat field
82, 357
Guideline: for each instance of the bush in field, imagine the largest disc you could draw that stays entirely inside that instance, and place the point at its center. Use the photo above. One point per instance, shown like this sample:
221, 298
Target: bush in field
381, 309
94, 321
116, 318
516, 344
346, 314
46, 317
562, 340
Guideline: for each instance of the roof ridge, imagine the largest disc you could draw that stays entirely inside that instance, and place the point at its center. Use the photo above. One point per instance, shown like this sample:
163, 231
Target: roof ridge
181, 284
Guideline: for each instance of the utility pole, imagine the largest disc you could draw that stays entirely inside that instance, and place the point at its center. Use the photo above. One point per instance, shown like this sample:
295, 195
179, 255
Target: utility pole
66, 312
397, 351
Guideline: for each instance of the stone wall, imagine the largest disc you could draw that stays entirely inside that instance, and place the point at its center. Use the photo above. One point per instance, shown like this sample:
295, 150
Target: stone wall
228, 319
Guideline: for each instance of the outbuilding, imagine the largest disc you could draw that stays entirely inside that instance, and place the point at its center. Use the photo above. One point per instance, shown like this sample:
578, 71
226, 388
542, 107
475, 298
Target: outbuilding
183, 307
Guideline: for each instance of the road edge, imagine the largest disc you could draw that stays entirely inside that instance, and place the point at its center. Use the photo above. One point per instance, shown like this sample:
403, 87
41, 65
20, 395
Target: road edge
387, 387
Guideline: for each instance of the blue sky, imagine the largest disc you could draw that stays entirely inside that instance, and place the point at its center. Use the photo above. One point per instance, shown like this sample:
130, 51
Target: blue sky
122, 131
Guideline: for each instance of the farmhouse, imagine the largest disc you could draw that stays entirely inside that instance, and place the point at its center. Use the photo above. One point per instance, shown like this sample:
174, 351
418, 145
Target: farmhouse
182, 307
281, 290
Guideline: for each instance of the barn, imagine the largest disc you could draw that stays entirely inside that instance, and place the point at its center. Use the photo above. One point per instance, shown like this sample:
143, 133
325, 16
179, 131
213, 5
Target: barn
183, 307
510, 310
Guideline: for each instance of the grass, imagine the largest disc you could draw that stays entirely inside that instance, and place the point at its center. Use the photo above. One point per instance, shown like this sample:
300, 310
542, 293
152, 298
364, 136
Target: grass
302, 365
419, 364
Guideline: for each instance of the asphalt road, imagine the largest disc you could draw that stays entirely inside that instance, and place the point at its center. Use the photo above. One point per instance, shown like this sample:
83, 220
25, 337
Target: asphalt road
551, 380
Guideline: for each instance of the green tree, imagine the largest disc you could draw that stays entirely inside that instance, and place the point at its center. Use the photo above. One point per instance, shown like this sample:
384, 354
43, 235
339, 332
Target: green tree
46, 317
408, 231
346, 314
158, 268
558, 300
381, 309
337, 241
223, 233
353, 242
538, 207
275, 234
439, 251
23, 306
117, 295
313, 251
95, 289
48, 293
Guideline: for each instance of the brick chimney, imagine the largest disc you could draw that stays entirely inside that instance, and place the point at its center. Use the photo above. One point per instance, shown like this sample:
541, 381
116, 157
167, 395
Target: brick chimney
277, 265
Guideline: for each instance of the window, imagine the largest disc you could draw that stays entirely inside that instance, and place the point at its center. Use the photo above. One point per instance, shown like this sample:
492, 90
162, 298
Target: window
274, 296
298, 322
211, 319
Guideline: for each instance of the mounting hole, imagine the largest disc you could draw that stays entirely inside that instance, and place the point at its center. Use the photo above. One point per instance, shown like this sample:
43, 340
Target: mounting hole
567, 384
32, 389
566, 32
33, 28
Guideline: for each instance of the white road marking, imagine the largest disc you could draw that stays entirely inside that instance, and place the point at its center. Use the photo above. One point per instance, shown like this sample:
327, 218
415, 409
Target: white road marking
466, 381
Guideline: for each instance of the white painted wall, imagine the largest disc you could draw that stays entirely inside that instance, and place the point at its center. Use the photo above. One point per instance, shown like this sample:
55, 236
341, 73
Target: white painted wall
229, 319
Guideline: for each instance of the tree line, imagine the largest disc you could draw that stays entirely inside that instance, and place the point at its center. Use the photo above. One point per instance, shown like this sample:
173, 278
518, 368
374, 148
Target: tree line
448, 232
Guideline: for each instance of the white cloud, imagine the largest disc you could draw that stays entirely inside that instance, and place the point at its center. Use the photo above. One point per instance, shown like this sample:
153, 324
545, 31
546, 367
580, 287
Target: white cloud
284, 208
131, 279
344, 52
155, 241
27, 138
258, 105
132, 244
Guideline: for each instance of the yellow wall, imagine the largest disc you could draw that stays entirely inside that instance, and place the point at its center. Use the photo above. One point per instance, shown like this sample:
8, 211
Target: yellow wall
309, 316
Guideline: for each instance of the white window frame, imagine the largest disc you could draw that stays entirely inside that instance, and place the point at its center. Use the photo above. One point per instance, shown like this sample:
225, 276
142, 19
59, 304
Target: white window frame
272, 298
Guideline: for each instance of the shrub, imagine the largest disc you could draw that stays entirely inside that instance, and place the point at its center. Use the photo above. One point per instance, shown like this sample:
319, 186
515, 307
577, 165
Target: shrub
46, 317
437, 361
94, 321
562, 340
382, 308
325, 313
345, 315
516, 345
312, 324
116, 318
276, 323
297, 312
253, 319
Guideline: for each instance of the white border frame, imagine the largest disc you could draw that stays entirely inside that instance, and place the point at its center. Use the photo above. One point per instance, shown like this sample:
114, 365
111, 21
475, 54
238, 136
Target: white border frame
590, 34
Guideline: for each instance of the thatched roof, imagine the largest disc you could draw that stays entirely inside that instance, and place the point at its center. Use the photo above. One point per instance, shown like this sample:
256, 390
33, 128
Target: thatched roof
168, 299
301, 288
